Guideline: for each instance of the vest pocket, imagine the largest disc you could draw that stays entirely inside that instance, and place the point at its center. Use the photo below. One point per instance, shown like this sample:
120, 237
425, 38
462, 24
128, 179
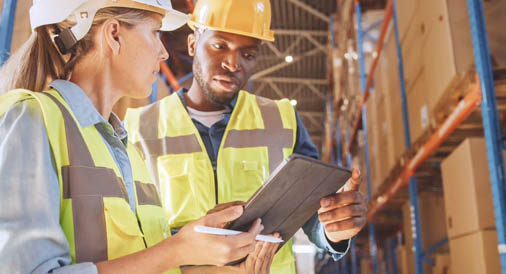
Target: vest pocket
154, 224
177, 190
251, 172
123, 233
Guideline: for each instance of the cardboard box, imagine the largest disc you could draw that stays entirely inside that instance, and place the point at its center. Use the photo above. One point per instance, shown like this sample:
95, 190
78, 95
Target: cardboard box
432, 220
405, 260
467, 190
405, 9
448, 50
412, 50
441, 264
373, 142
393, 103
418, 108
475, 253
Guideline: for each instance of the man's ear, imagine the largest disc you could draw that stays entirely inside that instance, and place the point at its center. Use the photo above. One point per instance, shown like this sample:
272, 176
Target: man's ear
192, 43
111, 36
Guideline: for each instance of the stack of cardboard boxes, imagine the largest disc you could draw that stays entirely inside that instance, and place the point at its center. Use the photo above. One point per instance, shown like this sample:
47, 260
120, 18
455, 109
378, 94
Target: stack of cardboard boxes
469, 210
437, 53
433, 226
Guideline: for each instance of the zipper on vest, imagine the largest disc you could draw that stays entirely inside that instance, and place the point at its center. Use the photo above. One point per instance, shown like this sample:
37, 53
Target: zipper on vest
143, 236
215, 185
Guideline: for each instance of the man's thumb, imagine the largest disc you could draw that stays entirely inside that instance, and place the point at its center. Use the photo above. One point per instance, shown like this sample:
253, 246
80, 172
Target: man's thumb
353, 184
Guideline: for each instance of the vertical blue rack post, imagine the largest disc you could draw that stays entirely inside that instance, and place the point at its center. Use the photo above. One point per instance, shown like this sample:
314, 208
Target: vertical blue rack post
354, 257
491, 124
360, 34
413, 189
6, 28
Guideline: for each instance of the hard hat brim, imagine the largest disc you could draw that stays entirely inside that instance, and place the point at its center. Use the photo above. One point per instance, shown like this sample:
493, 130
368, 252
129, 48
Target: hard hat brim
173, 20
270, 37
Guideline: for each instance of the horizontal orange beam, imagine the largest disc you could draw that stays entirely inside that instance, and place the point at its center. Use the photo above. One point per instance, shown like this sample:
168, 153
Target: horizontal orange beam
370, 76
470, 103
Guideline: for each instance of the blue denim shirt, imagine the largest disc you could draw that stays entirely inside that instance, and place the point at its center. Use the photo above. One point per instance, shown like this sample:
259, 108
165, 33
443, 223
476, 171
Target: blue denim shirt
212, 138
31, 238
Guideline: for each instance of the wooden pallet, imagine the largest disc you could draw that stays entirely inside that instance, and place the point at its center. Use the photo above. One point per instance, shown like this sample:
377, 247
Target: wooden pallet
429, 174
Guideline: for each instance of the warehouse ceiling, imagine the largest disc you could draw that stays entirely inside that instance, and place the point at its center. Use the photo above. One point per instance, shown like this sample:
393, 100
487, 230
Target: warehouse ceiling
301, 32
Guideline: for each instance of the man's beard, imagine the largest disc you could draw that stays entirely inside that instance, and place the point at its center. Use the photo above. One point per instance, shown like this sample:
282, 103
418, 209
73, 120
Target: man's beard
210, 94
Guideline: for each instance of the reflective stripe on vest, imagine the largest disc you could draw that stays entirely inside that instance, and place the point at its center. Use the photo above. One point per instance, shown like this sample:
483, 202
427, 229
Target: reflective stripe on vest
86, 185
94, 213
273, 125
260, 134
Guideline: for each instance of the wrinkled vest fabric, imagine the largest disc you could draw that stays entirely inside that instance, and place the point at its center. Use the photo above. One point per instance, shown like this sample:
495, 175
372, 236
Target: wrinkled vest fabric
94, 212
259, 136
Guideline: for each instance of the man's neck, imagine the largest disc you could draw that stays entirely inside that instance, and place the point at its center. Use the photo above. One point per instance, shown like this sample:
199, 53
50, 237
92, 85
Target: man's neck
196, 99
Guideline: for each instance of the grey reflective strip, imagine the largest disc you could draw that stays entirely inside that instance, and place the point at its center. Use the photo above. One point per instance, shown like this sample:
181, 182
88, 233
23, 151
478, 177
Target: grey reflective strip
274, 136
86, 185
148, 122
81, 180
274, 139
78, 152
270, 113
147, 194
90, 237
173, 145
154, 146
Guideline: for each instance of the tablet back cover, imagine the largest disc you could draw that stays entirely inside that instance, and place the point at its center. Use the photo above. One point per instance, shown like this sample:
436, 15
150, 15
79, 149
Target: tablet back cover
291, 195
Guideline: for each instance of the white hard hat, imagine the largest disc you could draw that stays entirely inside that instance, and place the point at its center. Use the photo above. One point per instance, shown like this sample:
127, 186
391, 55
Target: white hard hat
47, 12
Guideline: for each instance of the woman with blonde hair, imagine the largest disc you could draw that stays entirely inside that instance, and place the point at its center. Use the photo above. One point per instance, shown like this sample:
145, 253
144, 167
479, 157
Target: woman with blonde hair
75, 197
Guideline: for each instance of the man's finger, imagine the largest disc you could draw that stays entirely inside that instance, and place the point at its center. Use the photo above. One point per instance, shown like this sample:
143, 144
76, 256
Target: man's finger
348, 224
353, 184
340, 200
353, 210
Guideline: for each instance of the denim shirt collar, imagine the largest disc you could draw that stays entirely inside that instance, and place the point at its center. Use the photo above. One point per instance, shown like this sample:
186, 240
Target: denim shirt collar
84, 111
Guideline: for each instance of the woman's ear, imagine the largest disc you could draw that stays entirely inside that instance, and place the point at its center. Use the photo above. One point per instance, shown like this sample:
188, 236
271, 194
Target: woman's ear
111, 36
192, 43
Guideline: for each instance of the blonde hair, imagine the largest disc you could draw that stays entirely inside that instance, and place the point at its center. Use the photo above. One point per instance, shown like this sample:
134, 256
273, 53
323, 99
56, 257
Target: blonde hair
38, 62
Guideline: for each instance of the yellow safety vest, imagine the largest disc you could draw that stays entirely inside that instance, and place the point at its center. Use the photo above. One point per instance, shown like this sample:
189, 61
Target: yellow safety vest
260, 134
94, 211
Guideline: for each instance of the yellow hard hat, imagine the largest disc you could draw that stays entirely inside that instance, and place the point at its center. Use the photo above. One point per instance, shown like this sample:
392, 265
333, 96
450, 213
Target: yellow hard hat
244, 17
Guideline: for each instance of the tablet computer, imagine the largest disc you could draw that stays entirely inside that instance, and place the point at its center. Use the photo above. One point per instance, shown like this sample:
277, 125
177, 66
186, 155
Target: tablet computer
291, 195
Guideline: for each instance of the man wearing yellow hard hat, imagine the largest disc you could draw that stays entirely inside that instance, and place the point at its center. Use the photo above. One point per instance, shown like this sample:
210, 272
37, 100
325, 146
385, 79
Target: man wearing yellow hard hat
75, 196
215, 143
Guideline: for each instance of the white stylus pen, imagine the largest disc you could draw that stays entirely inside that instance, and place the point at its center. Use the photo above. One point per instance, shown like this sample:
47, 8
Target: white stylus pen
222, 231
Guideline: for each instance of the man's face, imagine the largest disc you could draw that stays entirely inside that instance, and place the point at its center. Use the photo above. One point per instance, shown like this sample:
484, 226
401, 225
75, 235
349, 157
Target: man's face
222, 63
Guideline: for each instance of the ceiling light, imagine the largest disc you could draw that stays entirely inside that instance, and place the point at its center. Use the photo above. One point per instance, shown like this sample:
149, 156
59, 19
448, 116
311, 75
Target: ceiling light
293, 102
289, 59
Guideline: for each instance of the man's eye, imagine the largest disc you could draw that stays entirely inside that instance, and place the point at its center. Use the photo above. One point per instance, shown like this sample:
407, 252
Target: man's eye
217, 46
249, 56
